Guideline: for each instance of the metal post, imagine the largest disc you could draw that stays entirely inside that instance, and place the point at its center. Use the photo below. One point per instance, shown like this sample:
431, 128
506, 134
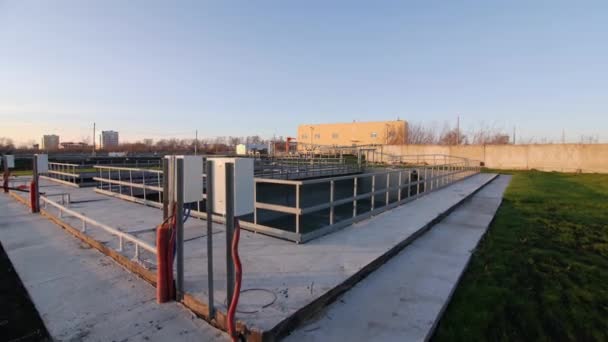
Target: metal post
418, 182
131, 181
255, 201
355, 196
331, 202
373, 199
35, 179
209, 210
143, 183
5, 165
229, 231
165, 188
400, 186
179, 219
388, 185
409, 184
298, 207
119, 183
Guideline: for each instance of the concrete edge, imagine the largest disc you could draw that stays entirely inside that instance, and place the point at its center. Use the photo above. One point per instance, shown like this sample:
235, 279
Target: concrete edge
445, 305
303, 314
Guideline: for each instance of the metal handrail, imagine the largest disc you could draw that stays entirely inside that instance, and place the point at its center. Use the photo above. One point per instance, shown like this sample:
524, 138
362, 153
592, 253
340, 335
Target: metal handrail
116, 168
87, 220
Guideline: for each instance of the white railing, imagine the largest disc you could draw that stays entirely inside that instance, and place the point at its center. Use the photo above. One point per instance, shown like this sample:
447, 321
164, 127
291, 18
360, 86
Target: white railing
89, 222
64, 173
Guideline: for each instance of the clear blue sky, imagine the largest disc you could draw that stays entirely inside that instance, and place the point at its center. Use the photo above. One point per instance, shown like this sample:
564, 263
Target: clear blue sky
162, 69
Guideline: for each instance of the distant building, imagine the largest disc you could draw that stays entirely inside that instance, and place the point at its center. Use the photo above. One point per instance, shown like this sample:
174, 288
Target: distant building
50, 142
354, 133
148, 142
109, 139
73, 145
250, 149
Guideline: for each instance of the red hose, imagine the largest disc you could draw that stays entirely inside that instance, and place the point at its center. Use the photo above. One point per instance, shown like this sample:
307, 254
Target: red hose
165, 242
7, 175
33, 196
162, 237
237, 286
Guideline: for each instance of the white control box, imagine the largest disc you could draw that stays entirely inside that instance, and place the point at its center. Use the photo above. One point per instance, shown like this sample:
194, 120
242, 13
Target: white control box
193, 178
243, 185
43, 163
10, 161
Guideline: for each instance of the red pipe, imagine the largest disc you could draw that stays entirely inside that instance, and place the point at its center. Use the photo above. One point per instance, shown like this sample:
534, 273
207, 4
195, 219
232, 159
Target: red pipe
162, 237
7, 175
33, 196
237, 286
165, 242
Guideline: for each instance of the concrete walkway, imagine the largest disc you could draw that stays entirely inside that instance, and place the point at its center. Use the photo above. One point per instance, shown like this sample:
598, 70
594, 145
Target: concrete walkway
404, 299
82, 294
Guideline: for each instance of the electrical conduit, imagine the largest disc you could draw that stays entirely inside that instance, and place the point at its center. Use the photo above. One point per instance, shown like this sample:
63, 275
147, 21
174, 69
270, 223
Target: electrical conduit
237, 286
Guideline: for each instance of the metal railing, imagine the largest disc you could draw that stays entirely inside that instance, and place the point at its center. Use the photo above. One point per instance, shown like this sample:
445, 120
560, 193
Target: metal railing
64, 173
300, 168
301, 210
136, 184
87, 222
306, 209
373, 157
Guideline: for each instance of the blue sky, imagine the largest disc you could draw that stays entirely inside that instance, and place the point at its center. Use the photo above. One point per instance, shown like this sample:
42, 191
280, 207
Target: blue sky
161, 69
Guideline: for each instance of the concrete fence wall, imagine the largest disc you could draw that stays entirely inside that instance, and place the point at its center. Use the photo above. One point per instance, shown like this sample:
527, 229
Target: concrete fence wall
549, 157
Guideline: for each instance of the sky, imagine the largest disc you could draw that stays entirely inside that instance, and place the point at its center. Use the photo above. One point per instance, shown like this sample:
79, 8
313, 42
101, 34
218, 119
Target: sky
152, 69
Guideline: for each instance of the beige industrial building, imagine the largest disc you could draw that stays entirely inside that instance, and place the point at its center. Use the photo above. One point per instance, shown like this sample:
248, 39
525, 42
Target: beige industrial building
354, 133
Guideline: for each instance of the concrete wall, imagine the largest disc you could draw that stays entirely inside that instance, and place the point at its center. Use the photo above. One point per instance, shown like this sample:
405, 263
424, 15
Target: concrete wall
550, 157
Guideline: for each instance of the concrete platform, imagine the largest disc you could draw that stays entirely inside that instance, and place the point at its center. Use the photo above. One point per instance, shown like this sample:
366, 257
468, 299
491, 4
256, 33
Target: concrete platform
404, 299
303, 278
81, 294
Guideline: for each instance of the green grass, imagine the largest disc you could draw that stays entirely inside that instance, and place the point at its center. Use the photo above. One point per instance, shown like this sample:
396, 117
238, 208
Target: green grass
541, 271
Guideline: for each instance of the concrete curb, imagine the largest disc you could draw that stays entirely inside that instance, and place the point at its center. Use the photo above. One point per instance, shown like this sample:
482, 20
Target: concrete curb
431, 332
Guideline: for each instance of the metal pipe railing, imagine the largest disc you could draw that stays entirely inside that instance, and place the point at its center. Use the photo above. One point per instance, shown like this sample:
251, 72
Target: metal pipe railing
122, 236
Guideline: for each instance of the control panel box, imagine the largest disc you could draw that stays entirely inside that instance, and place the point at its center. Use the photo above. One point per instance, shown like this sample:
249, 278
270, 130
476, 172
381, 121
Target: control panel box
10, 161
43, 163
193, 178
243, 185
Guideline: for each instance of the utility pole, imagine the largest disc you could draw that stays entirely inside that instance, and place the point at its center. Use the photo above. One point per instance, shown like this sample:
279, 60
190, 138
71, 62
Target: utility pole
195, 142
563, 136
93, 139
513, 135
458, 129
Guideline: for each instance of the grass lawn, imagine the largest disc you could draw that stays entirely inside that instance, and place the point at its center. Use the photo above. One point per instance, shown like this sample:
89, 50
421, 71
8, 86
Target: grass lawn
541, 271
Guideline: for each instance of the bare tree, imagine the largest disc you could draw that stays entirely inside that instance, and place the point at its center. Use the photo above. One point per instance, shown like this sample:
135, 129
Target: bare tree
419, 134
452, 137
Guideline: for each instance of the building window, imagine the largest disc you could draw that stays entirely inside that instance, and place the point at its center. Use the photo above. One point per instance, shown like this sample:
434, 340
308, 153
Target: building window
317, 136
304, 136
391, 134
335, 135
374, 135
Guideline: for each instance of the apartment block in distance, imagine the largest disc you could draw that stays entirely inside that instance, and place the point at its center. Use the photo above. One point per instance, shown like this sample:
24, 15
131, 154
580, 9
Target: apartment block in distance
109, 139
50, 142
354, 133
